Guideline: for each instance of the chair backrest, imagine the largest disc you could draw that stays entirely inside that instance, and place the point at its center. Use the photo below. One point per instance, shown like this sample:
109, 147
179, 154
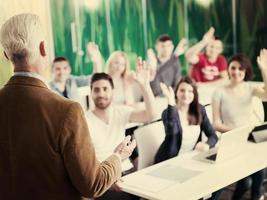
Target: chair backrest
149, 138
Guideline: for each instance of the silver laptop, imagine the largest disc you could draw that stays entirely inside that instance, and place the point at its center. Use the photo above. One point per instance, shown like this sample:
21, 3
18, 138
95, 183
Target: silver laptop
230, 144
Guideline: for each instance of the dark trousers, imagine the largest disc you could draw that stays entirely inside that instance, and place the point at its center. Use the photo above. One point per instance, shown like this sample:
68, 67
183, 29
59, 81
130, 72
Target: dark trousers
254, 181
215, 195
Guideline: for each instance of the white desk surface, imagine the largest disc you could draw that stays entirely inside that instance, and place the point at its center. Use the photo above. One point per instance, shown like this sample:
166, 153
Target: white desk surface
212, 178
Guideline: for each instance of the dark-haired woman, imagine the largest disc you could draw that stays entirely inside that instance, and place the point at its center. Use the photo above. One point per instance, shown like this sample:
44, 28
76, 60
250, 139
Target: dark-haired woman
232, 107
184, 120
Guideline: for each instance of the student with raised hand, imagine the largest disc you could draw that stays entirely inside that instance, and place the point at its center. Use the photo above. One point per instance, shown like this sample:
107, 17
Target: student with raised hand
65, 84
209, 67
46, 148
184, 120
108, 121
165, 66
232, 107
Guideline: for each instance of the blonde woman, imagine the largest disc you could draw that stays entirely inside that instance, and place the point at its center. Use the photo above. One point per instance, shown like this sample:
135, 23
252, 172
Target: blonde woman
117, 66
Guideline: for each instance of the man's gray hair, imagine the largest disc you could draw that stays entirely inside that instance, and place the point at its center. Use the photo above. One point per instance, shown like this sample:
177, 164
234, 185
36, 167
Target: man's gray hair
20, 37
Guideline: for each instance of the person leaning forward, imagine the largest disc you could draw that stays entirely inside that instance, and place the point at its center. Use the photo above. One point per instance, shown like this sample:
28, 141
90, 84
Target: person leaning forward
45, 145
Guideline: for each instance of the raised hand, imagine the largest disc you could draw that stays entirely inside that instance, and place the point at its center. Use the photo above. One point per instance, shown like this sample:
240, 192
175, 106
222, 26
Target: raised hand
152, 63
93, 52
168, 93
209, 35
125, 148
262, 60
181, 47
142, 75
151, 58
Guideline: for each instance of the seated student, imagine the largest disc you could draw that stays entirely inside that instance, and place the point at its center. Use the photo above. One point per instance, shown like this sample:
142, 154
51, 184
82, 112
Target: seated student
210, 66
107, 121
184, 120
166, 64
65, 84
232, 107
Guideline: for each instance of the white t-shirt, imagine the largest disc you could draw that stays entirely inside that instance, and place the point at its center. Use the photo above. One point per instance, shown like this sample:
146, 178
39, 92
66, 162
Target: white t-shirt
190, 135
236, 108
105, 136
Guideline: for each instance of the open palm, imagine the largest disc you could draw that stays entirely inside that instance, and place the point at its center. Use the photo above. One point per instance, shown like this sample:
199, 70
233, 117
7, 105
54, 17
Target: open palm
209, 35
142, 75
168, 93
93, 52
262, 59
181, 47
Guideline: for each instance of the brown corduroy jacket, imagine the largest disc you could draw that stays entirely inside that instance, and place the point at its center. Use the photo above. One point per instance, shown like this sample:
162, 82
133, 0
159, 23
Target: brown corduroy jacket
46, 152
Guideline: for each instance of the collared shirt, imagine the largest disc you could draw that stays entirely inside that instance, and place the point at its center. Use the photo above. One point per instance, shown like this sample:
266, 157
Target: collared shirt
31, 74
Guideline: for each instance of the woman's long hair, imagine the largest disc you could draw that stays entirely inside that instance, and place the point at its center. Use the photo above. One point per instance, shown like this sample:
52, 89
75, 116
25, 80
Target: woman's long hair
194, 111
113, 57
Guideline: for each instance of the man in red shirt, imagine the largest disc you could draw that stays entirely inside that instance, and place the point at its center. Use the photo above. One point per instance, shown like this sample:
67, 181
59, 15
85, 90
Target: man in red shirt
209, 66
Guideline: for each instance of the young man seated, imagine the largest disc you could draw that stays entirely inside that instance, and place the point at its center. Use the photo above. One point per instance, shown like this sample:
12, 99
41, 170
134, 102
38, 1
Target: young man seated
107, 122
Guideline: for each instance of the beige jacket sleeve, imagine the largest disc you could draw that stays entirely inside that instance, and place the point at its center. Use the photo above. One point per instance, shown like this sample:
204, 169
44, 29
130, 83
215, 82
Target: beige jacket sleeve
89, 176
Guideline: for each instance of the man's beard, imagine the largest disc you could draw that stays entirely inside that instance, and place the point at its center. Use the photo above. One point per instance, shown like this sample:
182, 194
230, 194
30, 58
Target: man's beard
102, 105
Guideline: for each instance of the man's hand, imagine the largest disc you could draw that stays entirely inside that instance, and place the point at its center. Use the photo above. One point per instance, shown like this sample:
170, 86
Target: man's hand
209, 35
181, 47
125, 148
142, 75
93, 52
262, 60
152, 63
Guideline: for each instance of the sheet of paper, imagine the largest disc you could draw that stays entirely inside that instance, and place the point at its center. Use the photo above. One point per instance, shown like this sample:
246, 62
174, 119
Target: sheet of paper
174, 173
160, 178
147, 182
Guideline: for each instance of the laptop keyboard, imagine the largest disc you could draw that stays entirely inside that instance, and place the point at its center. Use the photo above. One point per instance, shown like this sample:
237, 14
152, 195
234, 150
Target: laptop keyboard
212, 157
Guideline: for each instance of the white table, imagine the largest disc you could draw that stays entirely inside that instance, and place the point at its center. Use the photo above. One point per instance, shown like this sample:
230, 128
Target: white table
211, 178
